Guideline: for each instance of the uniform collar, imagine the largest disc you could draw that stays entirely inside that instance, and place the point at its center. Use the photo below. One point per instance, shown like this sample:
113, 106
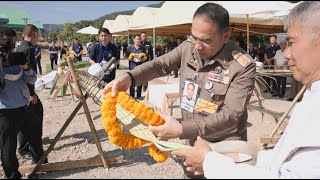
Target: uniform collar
26, 43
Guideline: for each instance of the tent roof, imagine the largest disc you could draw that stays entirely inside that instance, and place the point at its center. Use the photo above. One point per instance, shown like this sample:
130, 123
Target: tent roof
16, 16
108, 24
168, 16
121, 24
143, 17
88, 30
4, 18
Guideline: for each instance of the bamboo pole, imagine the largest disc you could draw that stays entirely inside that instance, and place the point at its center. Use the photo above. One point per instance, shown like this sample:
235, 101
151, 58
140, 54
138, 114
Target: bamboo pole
285, 114
55, 140
87, 112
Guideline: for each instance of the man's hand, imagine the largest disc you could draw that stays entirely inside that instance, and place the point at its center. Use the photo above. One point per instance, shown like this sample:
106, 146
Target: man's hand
121, 83
169, 130
194, 156
34, 99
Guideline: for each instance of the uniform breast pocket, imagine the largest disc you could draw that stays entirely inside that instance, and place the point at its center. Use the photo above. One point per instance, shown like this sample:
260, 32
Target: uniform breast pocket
218, 93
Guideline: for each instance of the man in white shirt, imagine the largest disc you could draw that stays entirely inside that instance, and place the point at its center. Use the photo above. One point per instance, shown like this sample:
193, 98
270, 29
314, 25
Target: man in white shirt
280, 61
297, 154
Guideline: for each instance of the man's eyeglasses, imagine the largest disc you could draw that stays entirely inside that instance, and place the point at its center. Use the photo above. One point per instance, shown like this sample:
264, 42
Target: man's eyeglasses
193, 40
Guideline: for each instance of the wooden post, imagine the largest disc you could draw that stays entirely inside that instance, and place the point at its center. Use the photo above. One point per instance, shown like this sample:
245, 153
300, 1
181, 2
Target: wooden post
87, 112
55, 140
285, 114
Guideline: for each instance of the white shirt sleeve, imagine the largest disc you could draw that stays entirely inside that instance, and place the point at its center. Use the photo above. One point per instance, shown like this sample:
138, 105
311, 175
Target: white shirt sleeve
305, 163
218, 166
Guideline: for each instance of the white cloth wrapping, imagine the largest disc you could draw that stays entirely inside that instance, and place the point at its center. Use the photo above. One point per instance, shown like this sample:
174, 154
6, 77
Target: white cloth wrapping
297, 154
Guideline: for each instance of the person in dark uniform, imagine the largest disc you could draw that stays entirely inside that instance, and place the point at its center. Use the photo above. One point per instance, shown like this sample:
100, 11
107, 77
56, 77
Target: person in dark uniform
62, 49
77, 48
14, 114
103, 52
37, 54
137, 55
149, 51
169, 47
35, 108
118, 45
125, 49
270, 52
53, 50
253, 52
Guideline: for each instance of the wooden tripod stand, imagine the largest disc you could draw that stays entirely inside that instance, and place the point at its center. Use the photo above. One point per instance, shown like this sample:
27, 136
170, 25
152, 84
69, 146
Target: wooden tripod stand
73, 164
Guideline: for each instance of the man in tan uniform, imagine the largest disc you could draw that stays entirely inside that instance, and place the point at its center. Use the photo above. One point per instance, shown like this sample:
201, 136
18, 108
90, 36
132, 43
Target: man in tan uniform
222, 70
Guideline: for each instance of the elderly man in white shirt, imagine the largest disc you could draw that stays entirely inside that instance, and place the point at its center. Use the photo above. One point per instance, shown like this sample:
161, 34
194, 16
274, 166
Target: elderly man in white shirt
297, 154
280, 61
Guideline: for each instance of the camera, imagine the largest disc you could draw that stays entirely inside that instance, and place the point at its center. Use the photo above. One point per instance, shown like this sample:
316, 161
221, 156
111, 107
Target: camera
8, 58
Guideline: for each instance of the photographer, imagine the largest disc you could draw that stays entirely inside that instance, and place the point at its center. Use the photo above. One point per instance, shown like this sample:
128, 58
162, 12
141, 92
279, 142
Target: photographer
31, 37
14, 100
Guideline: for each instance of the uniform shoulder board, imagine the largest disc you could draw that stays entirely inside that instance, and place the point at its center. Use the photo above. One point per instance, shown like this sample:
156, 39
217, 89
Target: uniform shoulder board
242, 59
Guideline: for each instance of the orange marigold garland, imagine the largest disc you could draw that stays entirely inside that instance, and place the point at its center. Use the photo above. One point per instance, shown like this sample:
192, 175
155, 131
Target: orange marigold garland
144, 113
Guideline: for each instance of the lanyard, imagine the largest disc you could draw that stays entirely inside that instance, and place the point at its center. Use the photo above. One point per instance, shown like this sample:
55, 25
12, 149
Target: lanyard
103, 52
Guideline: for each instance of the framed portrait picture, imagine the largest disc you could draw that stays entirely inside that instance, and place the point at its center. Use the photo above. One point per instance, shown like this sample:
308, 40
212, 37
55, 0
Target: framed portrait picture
189, 97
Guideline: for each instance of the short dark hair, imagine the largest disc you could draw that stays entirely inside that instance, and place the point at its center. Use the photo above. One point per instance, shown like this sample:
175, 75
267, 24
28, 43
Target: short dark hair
29, 29
143, 32
93, 39
105, 30
8, 32
216, 14
192, 85
273, 35
136, 36
75, 39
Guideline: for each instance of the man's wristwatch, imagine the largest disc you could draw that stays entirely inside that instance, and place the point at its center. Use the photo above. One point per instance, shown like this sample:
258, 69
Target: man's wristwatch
133, 81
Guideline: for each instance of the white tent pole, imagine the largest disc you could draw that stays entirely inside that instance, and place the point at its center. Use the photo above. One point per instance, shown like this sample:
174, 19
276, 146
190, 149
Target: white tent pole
128, 37
154, 42
247, 32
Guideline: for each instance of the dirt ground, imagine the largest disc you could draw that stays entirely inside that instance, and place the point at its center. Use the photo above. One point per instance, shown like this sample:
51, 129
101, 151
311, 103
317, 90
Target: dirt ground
77, 142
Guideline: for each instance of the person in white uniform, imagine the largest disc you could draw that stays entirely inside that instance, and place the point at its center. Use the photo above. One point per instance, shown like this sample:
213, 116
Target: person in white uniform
297, 154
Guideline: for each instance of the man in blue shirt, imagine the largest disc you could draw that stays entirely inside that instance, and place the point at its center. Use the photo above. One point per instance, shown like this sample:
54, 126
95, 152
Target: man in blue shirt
270, 52
103, 52
14, 115
37, 54
53, 50
253, 52
135, 59
77, 48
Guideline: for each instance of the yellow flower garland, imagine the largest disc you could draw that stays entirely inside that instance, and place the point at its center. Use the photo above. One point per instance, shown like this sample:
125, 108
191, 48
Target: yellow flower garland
144, 113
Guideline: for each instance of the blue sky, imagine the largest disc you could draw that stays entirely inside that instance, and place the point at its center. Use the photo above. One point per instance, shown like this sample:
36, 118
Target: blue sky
58, 12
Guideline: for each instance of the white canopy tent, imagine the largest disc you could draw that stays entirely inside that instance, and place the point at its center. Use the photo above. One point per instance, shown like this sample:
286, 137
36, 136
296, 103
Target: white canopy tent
255, 12
88, 30
121, 25
108, 24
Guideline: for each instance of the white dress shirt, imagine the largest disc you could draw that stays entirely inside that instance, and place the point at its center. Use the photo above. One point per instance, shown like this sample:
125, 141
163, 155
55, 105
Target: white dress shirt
296, 155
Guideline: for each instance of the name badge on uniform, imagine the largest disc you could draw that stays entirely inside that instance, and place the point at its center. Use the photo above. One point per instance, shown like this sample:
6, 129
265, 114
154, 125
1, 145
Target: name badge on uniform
205, 107
218, 78
189, 98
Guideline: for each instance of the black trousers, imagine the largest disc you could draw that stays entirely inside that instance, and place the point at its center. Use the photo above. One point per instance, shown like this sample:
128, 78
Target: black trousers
55, 61
38, 61
281, 85
11, 122
36, 111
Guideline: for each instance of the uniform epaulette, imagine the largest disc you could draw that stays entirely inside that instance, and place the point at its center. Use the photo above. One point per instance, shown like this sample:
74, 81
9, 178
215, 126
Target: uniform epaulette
242, 59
